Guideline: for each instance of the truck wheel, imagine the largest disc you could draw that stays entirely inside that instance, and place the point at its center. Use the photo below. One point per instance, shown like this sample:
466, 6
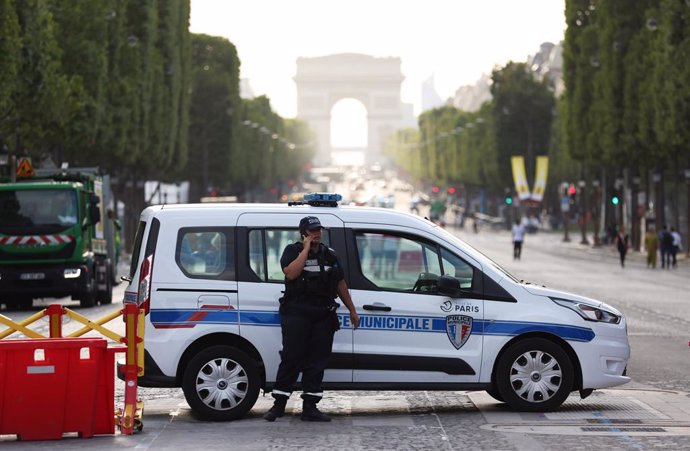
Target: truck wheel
221, 383
106, 296
88, 298
534, 375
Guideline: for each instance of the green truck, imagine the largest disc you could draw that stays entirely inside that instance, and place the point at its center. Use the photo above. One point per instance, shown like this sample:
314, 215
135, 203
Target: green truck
56, 239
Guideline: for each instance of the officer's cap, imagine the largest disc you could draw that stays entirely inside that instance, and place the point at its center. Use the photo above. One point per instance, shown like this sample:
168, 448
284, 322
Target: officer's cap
310, 223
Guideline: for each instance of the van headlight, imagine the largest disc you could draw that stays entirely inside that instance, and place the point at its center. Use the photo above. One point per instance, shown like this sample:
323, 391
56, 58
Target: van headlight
588, 312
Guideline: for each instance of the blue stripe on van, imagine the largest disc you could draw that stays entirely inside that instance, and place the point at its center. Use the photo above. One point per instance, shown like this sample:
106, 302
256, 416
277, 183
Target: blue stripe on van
188, 317
513, 328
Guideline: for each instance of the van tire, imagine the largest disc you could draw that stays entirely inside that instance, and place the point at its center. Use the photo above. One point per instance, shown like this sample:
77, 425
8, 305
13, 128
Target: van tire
235, 369
494, 393
541, 372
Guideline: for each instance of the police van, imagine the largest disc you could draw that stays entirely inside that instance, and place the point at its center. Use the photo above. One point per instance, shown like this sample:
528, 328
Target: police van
435, 313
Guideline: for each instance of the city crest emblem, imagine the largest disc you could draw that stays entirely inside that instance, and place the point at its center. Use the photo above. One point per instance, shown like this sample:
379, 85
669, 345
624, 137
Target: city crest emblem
458, 328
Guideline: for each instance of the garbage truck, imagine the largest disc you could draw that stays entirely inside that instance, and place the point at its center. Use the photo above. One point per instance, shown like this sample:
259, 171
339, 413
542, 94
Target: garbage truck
57, 238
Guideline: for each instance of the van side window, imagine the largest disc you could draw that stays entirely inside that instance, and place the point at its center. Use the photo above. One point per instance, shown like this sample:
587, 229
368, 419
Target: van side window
401, 263
266, 247
206, 253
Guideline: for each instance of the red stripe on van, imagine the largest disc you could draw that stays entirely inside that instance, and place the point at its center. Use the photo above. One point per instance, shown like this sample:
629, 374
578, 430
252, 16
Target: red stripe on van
197, 316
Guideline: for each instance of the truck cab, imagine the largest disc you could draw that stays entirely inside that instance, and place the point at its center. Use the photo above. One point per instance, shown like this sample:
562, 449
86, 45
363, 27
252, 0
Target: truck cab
53, 241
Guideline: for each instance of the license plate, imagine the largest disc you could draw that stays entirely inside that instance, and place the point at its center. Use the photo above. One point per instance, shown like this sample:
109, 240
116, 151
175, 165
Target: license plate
32, 276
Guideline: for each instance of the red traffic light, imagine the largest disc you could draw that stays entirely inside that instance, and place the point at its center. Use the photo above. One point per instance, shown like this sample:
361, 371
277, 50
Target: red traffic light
572, 190
435, 189
451, 190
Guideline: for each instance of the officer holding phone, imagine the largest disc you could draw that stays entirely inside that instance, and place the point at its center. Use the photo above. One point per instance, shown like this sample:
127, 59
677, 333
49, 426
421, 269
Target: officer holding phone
308, 319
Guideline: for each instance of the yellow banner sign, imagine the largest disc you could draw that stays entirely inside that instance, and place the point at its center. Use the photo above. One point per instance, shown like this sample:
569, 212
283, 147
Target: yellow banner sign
520, 177
540, 178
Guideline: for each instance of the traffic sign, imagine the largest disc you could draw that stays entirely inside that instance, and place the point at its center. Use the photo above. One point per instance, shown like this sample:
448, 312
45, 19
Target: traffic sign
24, 168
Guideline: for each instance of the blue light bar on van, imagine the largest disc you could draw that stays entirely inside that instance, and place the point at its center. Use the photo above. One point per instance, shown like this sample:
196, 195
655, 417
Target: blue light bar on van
320, 200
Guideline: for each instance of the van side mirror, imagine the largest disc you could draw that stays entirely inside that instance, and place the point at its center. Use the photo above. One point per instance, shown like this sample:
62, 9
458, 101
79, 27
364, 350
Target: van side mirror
449, 286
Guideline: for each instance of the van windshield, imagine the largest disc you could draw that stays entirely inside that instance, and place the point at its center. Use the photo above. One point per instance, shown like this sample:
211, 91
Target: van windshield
450, 237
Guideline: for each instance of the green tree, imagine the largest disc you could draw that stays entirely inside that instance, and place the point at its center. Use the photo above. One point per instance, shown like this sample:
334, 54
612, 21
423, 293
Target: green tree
10, 45
522, 113
81, 30
214, 111
43, 101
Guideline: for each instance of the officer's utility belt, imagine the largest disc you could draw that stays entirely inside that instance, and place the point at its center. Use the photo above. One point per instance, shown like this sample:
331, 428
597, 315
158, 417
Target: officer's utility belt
312, 300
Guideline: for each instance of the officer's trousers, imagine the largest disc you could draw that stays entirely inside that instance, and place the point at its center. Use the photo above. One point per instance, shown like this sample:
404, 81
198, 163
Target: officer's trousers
307, 343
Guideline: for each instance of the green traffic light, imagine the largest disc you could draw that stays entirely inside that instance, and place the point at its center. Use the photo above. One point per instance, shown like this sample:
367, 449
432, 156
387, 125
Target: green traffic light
509, 200
614, 200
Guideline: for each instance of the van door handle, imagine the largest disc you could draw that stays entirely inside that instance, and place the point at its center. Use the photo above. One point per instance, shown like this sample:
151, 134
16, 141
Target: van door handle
378, 307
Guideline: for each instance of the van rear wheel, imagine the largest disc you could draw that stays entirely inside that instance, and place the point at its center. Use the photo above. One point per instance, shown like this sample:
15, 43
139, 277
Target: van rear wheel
221, 383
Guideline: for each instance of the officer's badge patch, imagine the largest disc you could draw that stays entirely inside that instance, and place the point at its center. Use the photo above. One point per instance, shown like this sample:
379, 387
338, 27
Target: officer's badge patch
458, 328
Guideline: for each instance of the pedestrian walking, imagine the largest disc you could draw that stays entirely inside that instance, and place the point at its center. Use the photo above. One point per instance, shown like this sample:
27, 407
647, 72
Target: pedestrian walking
676, 245
621, 243
651, 244
665, 247
308, 319
518, 232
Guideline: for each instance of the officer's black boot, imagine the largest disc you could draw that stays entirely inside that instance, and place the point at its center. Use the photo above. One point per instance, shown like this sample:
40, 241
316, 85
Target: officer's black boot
277, 411
311, 413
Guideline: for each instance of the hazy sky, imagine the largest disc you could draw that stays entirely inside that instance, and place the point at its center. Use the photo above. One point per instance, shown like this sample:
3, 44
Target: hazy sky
455, 40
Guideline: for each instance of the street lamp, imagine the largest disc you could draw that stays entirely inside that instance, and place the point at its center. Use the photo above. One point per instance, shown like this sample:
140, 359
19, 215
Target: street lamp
583, 211
658, 200
596, 193
565, 209
687, 232
634, 209
620, 216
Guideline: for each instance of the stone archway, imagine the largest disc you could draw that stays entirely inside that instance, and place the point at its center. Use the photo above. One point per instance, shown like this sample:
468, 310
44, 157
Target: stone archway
375, 82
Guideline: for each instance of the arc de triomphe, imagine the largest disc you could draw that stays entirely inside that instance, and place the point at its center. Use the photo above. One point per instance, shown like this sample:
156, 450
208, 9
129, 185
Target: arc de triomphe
375, 82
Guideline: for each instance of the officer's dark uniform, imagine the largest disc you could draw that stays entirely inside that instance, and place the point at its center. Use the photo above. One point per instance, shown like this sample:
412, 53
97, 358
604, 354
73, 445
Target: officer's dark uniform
308, 322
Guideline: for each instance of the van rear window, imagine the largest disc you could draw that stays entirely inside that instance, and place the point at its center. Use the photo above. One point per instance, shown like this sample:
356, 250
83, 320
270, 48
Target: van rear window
137, 248
206, 252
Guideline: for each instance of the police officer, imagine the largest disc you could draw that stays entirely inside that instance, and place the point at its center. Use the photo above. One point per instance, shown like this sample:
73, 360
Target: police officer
313, 279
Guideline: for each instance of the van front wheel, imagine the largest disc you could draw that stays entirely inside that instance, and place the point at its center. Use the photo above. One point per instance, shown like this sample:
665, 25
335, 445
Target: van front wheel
221, 383
534, 375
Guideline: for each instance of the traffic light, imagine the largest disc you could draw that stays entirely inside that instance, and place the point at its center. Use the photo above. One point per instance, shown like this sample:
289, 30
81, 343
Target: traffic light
614, 199
572, 193
451, 190
435, 189
509, 199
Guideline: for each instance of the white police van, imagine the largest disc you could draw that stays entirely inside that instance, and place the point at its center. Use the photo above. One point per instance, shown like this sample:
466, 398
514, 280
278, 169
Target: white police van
435, 313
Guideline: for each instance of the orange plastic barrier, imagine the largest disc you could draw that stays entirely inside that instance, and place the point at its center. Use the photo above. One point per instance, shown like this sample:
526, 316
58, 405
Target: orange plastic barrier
53, 386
